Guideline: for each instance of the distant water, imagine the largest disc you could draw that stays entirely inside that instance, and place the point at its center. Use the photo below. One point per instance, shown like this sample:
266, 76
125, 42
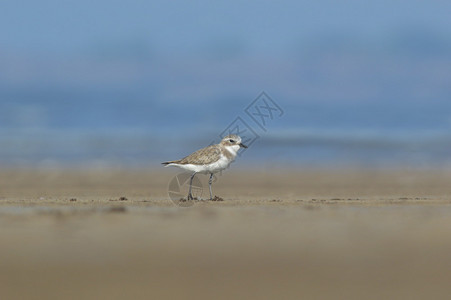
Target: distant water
46, 127
288, 147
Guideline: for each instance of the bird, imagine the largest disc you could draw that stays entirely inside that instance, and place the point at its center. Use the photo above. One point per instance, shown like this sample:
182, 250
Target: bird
209, 160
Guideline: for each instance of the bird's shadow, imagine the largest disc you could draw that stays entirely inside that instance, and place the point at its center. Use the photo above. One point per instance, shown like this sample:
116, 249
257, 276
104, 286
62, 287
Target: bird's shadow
216, 198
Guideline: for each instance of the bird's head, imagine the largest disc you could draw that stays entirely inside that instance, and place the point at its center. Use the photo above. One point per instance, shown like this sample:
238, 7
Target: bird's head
234, 141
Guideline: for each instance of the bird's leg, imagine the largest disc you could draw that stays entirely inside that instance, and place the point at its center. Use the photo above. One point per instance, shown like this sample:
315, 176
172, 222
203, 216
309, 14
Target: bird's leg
190, 196
209, 185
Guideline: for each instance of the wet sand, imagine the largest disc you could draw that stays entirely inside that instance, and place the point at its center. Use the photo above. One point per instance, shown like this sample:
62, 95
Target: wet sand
285, 234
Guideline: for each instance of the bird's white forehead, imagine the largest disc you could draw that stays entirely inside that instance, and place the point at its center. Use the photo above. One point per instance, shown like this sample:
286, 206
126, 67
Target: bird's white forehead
233, 137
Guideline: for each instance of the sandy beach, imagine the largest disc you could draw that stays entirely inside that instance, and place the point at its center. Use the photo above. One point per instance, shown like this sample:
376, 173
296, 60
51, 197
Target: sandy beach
277, 234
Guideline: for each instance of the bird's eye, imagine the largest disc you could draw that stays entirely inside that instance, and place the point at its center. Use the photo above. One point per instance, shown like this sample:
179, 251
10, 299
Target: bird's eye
232, 141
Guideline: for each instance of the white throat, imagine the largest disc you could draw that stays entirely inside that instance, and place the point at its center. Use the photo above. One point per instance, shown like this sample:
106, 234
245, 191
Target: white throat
233, 149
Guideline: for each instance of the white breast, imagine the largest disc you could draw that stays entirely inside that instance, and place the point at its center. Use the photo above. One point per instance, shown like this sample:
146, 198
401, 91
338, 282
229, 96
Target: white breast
222, 164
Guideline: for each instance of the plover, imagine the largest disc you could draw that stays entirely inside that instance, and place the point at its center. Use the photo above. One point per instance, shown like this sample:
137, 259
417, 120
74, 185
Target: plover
209, 160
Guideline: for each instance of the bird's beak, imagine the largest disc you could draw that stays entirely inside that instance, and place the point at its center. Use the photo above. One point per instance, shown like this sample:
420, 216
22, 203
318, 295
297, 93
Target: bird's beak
243, 145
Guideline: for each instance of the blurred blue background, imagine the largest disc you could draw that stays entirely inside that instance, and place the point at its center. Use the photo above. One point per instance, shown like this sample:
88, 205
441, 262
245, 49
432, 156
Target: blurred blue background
133, 83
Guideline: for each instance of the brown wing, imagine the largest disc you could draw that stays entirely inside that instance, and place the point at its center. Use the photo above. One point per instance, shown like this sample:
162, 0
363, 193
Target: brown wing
203, 156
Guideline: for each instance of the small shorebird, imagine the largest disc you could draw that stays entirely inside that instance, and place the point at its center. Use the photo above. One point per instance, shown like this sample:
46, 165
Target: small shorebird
209, 160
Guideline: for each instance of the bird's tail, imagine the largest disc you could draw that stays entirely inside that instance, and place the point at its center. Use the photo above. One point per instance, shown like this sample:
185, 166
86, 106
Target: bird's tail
166, 163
